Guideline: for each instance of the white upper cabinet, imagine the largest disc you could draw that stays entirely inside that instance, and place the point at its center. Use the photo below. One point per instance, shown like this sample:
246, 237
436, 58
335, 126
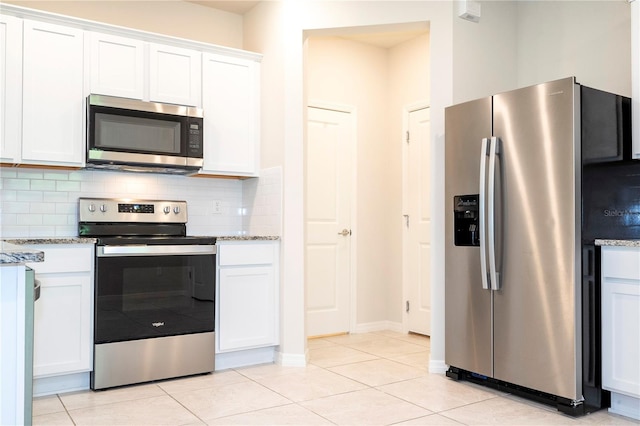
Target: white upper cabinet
53, 101
231, 104
10, 88
117, 66
131, 68
175, 75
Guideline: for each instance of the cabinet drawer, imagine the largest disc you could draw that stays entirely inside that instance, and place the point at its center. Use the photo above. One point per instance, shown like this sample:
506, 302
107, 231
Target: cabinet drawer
63, 258
245, 254
621, 262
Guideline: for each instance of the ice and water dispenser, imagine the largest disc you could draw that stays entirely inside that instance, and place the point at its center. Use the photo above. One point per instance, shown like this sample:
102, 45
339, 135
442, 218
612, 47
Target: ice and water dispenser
465, 220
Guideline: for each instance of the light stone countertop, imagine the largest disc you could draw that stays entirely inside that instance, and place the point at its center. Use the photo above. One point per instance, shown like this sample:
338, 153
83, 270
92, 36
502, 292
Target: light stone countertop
248, 238
14, 254
51, 240
618, 243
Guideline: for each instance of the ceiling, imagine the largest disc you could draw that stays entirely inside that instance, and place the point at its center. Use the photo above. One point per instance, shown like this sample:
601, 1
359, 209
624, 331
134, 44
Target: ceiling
237, 6
385, 38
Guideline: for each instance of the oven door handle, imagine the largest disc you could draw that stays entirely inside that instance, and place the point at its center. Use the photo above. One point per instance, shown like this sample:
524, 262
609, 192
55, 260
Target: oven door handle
154, 250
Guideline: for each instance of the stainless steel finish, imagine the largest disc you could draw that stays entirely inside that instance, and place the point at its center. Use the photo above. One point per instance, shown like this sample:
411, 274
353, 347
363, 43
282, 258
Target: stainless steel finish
123, 363
532, 238
37, 286
140, 159
467, 306
154, 250
482, 197
345, 232
136, 105
88, 211
536, 314
491, 214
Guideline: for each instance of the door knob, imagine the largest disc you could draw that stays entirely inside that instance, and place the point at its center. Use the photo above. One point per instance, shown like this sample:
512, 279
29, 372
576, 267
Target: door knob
345, 232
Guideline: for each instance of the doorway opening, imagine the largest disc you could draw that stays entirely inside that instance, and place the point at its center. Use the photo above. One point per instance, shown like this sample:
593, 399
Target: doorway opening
376, 72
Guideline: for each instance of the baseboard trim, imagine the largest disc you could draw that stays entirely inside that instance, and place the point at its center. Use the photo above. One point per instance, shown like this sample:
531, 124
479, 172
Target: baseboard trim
245, 358
437, 366
379, 326
293, 360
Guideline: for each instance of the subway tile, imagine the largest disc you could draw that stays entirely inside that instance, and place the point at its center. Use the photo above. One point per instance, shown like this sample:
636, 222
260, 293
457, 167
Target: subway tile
29, 174
42, 208
14, 231
63, 185
29, 219
54, 219
43, 185
41, 231
54, 197
30, 196
8, 195
15, 207
8, 172
17, 184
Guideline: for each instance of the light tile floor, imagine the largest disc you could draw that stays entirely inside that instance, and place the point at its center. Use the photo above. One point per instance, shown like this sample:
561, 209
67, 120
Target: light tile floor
374, 378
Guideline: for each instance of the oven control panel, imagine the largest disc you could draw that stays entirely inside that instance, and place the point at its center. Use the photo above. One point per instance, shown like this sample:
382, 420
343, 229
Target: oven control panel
129, 210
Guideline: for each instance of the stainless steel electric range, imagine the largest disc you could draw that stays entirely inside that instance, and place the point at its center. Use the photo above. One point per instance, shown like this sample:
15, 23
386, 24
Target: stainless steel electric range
154, 291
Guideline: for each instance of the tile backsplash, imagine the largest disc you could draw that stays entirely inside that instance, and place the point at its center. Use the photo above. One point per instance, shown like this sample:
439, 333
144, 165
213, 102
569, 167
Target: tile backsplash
44, 203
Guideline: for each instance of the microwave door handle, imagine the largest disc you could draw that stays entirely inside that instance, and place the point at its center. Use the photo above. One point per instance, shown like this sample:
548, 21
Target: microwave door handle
484, 151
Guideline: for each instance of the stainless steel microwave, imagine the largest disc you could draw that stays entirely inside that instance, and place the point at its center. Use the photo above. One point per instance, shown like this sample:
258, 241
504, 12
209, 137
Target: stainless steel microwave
133, 135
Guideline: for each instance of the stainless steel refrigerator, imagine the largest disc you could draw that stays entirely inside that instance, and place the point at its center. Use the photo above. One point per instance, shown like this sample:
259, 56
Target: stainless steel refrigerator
514, 308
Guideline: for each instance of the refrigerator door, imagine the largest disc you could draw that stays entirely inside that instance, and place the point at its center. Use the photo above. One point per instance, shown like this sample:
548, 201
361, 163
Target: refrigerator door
536, 343
467, 304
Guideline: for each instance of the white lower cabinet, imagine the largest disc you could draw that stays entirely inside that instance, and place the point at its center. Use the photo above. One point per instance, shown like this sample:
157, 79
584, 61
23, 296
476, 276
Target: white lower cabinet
621, 328
247, 295
63, 316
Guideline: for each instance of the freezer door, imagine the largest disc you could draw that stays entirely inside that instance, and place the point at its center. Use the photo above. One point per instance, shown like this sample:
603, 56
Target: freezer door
467, 305
536, 343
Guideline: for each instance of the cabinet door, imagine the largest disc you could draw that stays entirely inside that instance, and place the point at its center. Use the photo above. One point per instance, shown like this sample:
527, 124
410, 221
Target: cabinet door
230, 99
10, 84
621, 320
117, 66
174, 75
62, 324
248, 308
53, 104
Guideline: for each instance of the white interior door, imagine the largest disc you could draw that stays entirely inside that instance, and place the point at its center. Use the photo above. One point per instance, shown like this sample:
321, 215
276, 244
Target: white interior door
417, 207
328, 220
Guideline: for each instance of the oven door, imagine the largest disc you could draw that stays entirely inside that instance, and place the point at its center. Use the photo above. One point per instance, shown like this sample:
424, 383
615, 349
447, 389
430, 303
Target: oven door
153, 291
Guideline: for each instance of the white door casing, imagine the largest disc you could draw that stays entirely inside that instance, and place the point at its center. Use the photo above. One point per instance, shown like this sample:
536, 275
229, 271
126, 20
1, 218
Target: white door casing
417, 219
329, 188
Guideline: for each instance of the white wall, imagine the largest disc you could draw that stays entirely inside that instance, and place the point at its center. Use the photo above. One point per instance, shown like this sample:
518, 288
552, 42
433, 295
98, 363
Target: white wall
590, 40
356, 74
293, 19
409, 83
485, 53
174, 18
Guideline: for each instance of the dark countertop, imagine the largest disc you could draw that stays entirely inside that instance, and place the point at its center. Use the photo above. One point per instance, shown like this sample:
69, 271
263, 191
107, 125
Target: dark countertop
618, 243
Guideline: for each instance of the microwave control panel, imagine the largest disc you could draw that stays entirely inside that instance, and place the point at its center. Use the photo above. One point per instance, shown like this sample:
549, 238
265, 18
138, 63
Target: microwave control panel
194, 138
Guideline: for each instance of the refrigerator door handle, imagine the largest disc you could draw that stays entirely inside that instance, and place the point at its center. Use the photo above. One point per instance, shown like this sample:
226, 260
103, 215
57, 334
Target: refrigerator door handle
491, 214
484, 151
